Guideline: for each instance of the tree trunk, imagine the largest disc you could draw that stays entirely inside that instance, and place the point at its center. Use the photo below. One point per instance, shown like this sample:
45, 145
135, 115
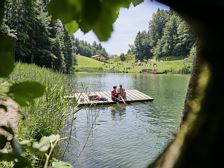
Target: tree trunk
199, 143
191, 92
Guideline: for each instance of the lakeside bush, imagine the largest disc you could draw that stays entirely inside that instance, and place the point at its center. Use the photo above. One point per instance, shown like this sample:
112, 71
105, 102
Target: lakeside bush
49, 112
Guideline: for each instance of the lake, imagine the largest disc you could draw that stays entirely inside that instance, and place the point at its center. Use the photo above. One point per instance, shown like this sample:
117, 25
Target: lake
125, 136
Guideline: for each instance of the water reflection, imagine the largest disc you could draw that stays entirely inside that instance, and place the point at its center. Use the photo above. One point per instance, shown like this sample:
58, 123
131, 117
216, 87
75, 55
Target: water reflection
100, 81
118, 111
132, 135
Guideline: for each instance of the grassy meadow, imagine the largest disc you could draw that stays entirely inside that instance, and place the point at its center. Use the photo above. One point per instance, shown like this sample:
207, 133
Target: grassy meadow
114, 64
88, 64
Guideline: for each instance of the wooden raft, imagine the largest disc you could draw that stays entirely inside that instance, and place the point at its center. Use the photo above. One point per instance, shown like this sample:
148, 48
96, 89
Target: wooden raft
131, 95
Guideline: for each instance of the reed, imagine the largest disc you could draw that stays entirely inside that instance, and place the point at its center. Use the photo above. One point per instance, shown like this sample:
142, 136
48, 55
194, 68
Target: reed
47, 115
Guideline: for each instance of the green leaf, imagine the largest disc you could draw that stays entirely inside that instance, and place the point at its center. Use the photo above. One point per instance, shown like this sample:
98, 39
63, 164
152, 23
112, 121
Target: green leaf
36, 145
45, 142
96, 15
53, 138
104, 27
25, 142
43, 145
3, 141
84, 27
92, 11
25, 92
109, 13
60, 164
7, 157
6, 64
136, 2
6, 56
72, 27
65, 10
2, 2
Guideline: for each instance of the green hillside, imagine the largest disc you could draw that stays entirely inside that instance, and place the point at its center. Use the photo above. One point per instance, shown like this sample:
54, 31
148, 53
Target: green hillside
88, 64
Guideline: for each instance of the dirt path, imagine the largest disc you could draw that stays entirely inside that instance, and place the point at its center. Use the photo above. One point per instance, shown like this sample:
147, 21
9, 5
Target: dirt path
10, 117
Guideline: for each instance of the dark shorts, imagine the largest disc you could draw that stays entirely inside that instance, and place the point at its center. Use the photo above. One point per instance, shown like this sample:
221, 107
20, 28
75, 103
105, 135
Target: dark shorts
103, 99
114, 99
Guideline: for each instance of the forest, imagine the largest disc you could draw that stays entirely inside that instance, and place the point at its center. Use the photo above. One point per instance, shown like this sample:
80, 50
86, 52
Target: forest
86, 49
168, 36
39, 40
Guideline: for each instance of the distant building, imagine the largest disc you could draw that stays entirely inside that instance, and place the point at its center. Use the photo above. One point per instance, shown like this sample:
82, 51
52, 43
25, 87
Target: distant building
100, 58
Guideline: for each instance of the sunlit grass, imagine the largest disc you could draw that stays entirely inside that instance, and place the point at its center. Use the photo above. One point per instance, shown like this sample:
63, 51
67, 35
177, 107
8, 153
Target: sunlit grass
47, 115
88, 64
128, 66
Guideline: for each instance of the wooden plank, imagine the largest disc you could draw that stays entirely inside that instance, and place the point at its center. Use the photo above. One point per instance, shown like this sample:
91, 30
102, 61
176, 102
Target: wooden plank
86, 97
129, 97
107, 93
142, 94
78, 97
81, 100
139, 95
132, 96
106, 96
83, 97
99, 94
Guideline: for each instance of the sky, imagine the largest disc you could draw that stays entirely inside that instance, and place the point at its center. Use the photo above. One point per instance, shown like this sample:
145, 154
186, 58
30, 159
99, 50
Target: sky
126, 27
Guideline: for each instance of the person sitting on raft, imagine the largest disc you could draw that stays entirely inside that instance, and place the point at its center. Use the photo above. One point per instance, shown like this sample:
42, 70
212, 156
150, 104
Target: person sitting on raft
114, 94
122, 92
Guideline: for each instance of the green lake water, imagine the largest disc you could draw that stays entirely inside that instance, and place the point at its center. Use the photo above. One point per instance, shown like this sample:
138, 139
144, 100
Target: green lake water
126, 136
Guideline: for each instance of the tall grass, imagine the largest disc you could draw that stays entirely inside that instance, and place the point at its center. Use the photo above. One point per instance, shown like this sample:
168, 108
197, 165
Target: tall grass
47, 115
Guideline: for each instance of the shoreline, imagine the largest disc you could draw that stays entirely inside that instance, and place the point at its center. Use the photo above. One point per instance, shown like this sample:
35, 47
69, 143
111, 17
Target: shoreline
131, 72
179, 66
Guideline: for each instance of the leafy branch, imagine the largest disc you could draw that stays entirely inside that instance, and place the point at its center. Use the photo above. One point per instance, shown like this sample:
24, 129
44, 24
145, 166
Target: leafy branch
95, 15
